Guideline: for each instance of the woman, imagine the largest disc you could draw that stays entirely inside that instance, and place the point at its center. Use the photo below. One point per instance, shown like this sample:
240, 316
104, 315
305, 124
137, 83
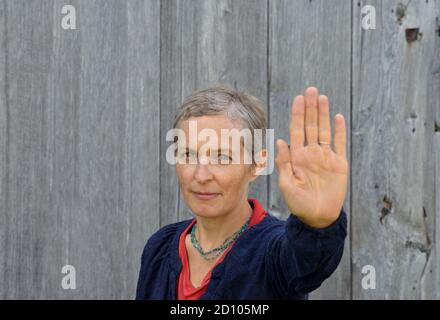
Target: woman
233, 248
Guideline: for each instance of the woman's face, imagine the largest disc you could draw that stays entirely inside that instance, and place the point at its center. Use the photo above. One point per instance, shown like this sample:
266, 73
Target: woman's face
212, 189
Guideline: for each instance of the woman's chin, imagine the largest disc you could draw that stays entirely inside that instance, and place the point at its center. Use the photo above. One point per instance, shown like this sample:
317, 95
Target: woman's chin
205, 210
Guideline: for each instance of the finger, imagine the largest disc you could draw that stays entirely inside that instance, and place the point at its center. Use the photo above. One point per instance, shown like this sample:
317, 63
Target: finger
297, 123
340, 135
324, 121
283, 161
311, 119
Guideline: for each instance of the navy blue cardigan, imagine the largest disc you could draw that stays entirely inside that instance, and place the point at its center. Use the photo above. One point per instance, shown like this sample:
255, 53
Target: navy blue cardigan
274, 259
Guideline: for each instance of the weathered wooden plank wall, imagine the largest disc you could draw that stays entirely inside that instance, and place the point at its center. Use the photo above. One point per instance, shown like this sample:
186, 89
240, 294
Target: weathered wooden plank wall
394, 111
80, 121
84, 113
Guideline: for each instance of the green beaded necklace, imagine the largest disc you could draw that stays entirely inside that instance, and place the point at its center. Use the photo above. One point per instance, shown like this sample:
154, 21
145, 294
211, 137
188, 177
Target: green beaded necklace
214, 253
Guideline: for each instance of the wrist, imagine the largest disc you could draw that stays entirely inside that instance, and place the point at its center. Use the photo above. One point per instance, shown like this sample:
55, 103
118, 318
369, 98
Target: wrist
319, 223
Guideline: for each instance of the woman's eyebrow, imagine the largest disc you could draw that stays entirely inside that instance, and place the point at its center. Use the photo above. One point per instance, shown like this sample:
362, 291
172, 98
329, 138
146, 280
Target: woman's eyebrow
219, 150
223, 150
184, 149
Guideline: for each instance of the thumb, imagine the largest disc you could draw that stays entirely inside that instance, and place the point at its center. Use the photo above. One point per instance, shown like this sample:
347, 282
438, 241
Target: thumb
283, 161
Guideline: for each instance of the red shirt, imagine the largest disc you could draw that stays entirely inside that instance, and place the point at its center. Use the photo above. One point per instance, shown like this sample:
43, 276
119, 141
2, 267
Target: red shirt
185, 290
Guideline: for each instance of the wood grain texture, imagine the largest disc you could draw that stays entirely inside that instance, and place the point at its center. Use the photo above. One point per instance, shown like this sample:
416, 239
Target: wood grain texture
32, 239
393, 206
83, 122
430, 280
4, 151
170, 99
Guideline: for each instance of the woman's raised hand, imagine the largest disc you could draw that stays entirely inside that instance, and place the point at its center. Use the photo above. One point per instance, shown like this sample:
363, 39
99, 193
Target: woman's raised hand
313, 175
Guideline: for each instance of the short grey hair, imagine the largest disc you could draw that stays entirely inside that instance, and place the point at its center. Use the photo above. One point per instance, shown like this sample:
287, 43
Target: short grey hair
224, 100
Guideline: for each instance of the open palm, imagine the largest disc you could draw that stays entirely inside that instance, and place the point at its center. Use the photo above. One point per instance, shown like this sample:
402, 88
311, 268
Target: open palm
312, 176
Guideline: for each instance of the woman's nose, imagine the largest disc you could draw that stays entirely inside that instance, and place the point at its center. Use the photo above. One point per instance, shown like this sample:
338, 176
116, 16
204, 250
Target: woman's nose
202, 173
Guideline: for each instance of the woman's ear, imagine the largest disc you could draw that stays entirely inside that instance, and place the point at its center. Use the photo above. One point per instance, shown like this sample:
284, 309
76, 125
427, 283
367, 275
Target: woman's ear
260, 164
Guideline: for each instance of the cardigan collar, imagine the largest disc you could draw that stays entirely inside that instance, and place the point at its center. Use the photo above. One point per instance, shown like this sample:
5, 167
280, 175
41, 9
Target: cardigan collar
174, 259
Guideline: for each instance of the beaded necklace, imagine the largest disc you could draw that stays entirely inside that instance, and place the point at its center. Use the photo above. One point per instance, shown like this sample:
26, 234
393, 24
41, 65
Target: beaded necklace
214, 253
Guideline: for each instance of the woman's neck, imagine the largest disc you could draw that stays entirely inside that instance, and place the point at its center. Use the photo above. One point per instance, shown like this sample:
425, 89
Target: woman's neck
212, 231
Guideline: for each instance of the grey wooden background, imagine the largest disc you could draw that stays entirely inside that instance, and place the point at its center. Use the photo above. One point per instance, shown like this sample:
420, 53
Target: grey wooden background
83, 117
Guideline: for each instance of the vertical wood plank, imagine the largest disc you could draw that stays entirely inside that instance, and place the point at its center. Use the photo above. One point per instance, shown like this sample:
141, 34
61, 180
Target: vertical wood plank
142, 173
119, 144
101, 119
27, 245
4, 152
170, 99
310, 45
393, 222
430, 279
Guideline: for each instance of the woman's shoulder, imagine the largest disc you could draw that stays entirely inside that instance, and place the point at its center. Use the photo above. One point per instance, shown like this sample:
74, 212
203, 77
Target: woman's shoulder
158, 244
271, 224
168, 231
272, 219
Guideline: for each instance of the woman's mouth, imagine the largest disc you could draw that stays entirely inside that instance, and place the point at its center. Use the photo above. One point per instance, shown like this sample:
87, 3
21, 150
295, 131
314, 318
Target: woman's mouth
205, 195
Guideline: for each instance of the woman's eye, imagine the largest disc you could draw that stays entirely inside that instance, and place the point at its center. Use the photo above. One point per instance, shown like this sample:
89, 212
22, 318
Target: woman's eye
191, 155
186, 156
224, 158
